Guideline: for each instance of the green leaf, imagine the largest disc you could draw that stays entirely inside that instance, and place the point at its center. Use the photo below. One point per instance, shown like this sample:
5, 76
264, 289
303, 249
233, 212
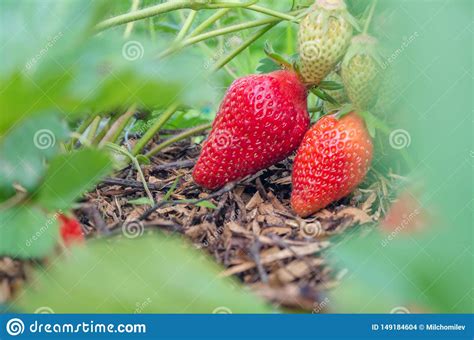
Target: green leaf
206, 204
267, 65
185, 119
25, 148
69, 175
72, 72
413, 271
324, 95
141, 201
330, 85
171, 189
27, 232
153, 274
345, 109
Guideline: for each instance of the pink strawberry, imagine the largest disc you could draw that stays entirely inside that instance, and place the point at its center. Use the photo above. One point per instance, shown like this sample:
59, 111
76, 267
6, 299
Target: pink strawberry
262, 120
332, 160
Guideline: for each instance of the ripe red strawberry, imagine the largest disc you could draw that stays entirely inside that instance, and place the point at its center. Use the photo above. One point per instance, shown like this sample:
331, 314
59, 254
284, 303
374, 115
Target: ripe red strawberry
332, 160
262, 120
70, 229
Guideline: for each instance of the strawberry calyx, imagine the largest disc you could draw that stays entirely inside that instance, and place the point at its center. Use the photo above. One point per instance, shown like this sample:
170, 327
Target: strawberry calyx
331, 4
372, 122
363, 44
334, 9
277, 58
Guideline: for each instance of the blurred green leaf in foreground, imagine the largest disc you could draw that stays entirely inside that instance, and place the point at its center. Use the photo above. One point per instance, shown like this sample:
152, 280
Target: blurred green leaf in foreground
153, 274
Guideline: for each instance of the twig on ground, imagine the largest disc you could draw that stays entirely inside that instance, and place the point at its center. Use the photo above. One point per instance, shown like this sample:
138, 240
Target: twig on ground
130, 183
255, 253
228, 187
175, 165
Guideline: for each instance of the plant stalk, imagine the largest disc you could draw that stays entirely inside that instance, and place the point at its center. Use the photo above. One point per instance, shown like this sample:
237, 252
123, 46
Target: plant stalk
178, 137
150, 133
93, 129
242, 47
218, 32
209, 21
186, 26
80, 130
369, 17
135, 162
116, 129
164, 8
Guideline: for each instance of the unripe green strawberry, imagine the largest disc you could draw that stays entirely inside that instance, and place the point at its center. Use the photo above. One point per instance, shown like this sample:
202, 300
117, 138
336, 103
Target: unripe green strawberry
323, 37
361, 72
388, 94
339, 95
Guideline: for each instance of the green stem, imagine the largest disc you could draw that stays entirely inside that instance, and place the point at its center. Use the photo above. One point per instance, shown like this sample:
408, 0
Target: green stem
210, 54
116, 130
243, 46
164, 8
129, 27
186, 26
93, 129
151, 132
177, 138
369, 17
135, 162
218, 32
271, 12
105, 129
209, 21
151, 29
80, 130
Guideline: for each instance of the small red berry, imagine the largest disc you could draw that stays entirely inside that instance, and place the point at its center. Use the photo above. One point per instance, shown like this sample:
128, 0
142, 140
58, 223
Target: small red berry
70, 229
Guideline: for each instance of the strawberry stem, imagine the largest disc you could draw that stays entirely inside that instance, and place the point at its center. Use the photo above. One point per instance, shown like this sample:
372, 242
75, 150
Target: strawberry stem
218, 32
186, 26
242, 47
177, 138
164, 117
369, 17
208, 22
135, 162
